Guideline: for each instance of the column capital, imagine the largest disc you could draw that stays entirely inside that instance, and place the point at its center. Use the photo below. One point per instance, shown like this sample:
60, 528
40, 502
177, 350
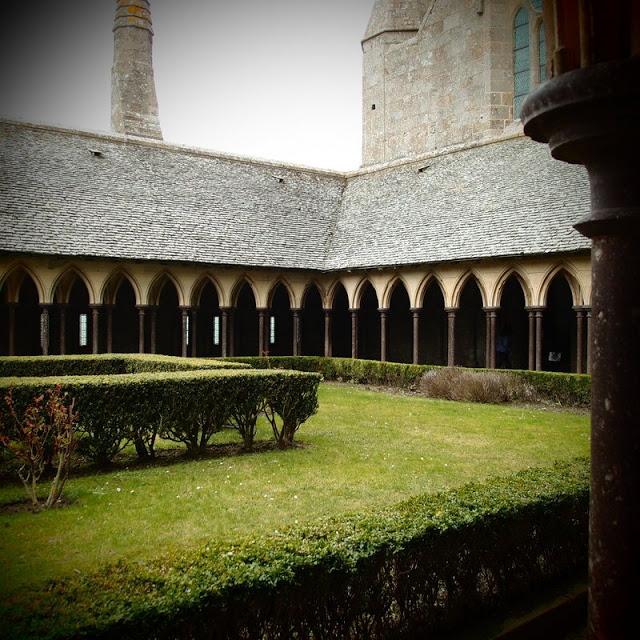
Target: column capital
534, 309
415, 310
383, 310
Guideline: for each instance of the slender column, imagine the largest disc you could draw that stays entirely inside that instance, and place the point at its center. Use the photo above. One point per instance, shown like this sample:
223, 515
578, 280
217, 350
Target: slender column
194, 333
232, 332
224, 332
328, 346
262, 348
416, 335
354, 333
493, 320
110, 328
63, 328
95, 328
579, 339
451, 342
12, 328
154, 329
141, 313
588, 340
384, 314
184, 315
538, 339
44, 329
297, 334
532, 338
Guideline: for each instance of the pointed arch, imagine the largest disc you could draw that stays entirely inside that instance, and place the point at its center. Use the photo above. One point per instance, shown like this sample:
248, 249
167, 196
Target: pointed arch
309, 286
430, 279
112, 284
65, 281
462, 283
390, 288
336, 287
360, 291
511, 296
199, 286
527, 289
470, 322
11, 280
369, 329
237, 288
158, 283
571, 278
245, 337
312, 320
281, 281
399, 323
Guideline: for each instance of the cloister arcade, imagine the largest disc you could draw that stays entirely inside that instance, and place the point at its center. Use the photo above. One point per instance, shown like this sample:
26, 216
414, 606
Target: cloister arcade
533, 314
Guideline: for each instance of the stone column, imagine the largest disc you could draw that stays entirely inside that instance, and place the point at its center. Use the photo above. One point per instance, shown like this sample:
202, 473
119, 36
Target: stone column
63, 328
110, 328
224, 332
416, 335
232, 332
12, 328
384, 314
588, 340
194, 333
532, 338
262, 324
538, 314
354, 333
297, 333
328, 346
184, 325
95, 328
451, 338
44, 329
141, 313
491, 315
589, 116
153, 333
579, 339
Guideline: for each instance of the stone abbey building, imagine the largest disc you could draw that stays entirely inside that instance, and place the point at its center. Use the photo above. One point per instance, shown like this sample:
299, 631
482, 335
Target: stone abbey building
453, 244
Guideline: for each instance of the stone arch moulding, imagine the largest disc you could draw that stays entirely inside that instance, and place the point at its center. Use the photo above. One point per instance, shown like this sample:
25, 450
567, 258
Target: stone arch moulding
571, 278
321, 290
273, 285
462, 283
362, 284
523, 280
199, 285
158, 282
115, 277
14, 269
390, 287
237, 287
65, 272
331, 292
424, 285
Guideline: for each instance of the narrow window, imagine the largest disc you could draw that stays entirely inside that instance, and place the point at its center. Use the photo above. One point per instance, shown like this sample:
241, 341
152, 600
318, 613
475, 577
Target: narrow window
542, 53
521, 62
83, 330
272, 330
216, 331
187, 328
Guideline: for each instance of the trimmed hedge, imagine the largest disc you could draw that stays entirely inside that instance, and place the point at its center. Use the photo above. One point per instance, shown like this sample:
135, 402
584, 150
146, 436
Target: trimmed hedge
104, 364
569, 389
186, 406
425, 565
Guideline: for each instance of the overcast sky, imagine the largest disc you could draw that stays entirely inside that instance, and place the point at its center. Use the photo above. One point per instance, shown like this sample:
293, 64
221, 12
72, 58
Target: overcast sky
278, 79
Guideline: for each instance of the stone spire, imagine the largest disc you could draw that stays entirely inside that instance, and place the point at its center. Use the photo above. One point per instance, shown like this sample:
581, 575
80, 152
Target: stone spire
395, 15
134, 106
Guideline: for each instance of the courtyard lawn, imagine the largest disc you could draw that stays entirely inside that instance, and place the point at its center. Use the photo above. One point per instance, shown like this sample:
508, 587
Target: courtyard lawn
362, 450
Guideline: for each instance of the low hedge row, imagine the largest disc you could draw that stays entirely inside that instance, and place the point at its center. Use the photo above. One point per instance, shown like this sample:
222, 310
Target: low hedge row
568, 389
184, 406
104, 364
425, 565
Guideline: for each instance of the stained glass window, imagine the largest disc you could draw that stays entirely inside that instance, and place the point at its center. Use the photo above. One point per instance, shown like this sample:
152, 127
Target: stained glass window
521, 62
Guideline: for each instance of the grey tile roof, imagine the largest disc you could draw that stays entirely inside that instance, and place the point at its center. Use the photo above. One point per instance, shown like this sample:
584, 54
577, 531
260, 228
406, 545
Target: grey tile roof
152, 201
507, 198
156, 202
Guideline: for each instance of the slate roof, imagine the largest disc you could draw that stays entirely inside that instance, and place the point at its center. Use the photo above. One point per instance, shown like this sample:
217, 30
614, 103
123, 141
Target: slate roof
153, 201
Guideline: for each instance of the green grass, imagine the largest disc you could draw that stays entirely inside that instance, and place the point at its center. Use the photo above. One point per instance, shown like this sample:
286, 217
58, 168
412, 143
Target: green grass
363, 449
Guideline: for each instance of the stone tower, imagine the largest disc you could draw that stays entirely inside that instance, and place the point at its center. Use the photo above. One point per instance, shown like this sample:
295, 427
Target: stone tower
134, 106
392, 22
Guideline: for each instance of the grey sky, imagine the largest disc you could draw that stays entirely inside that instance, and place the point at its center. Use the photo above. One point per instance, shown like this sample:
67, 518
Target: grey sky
277, 79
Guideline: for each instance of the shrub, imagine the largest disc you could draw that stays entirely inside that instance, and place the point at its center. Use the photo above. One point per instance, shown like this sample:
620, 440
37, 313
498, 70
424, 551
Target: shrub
409, 570
43, 432
452, 383
186, 406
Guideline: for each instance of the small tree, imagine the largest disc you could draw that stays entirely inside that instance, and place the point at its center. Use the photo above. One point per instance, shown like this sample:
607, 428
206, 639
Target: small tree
44, 431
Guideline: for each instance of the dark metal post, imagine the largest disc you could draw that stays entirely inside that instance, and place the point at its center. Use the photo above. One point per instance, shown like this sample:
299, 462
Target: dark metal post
384, 314
451, 341
328, 347
416, 335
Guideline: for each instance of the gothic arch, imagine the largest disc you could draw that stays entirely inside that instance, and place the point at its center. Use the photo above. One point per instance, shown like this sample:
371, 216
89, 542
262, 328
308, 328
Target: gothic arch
390, 288
527, 290
360, 289
462, 283
237, 288
308, 286
157, 284
199, 285
274, 287
333, 290
14, 271
427, 281
113, 282
571, 278
64, 280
